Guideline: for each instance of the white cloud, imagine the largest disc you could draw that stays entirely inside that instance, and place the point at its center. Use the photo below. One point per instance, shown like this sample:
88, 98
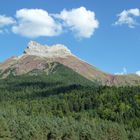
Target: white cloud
138, 73
124, 72
80, 20
35, 23
4, 20
128, 17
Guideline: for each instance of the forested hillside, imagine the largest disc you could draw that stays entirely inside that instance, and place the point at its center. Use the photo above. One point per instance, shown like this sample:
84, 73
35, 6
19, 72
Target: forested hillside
66, 106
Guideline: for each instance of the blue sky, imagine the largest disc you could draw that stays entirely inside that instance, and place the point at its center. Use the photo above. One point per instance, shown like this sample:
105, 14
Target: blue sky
111, 48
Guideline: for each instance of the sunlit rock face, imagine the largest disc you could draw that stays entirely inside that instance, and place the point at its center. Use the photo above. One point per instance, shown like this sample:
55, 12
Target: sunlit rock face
37, 49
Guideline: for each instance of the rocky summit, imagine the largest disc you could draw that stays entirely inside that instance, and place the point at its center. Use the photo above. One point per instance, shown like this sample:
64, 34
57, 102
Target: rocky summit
39, 58
53, 51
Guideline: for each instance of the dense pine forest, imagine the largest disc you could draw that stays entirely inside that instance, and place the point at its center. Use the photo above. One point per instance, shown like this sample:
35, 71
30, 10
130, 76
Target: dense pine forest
66, 106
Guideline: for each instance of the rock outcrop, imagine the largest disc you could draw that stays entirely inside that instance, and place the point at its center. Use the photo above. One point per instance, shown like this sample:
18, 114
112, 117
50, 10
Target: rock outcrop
54, 51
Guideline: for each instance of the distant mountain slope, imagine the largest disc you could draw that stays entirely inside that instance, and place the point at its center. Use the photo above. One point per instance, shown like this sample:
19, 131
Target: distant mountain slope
52, 71
66, 106
43, 58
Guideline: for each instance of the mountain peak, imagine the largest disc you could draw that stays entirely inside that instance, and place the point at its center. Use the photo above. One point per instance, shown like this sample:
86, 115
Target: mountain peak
37, 49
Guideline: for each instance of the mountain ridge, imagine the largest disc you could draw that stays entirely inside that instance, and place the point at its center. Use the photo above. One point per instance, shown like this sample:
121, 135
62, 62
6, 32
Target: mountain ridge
37, 56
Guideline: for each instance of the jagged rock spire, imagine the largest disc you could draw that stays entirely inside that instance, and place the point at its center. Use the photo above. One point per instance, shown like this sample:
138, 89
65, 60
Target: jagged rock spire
37, 49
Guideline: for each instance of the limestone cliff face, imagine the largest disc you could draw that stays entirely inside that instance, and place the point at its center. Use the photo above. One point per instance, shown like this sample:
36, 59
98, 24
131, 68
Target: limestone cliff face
54, 51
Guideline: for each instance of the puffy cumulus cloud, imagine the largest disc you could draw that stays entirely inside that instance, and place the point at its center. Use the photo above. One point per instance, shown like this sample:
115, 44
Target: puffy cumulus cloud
35, 23
80, 20
128, 17
4, 20
138, 73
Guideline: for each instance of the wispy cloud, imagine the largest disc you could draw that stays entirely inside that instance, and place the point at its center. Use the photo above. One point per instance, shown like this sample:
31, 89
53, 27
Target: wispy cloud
128, 17
138, 73
5, 21
124, 72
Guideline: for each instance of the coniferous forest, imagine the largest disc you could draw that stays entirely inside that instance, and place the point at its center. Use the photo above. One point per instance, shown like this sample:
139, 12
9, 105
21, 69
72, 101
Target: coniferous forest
66, 106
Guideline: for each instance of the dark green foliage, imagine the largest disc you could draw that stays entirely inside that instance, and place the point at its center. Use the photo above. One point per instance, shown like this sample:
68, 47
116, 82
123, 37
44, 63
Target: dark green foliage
66, 106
